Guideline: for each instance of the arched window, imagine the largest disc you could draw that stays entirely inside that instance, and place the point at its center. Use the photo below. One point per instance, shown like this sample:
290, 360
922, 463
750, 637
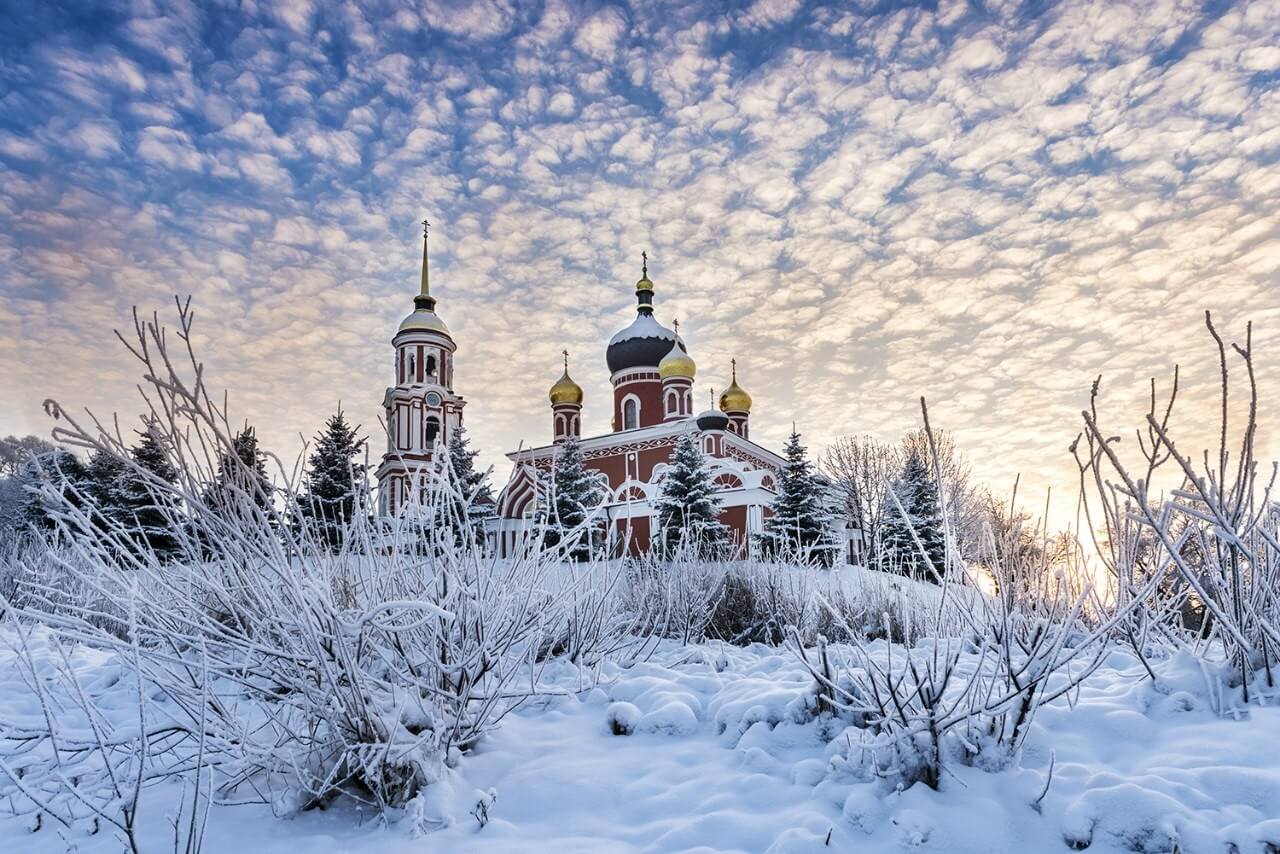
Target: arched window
433, 430
431, 366
630, 414
673, 402
560, 425
688, 402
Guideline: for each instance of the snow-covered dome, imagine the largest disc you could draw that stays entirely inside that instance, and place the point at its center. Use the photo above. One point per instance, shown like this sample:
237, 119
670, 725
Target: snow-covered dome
713, 419
641, 344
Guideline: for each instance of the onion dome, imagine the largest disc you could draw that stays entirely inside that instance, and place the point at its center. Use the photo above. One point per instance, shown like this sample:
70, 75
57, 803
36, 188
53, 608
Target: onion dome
645, 341
711, 419
565, 391
677, 363
424, 317
734, 398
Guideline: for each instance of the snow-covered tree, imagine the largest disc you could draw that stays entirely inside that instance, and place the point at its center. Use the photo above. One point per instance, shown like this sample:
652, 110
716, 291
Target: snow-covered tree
475, 503
336, 485
154, 526
917, 493
106, 475
59, 470
241, 470
573, 491
688, 510
801, 518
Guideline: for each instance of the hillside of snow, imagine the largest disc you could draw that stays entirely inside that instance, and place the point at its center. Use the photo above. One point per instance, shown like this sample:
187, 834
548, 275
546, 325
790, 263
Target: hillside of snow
714, 748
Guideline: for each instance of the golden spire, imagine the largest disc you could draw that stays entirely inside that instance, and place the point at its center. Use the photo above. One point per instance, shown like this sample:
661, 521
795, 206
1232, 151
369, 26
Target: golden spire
424, 298
644, 287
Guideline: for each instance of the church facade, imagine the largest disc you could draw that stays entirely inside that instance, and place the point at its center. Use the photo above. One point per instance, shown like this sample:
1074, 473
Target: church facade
653, 379
652, 375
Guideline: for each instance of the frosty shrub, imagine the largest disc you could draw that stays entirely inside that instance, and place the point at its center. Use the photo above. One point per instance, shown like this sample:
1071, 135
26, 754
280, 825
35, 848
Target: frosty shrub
294, 669
969, 687
1200, 567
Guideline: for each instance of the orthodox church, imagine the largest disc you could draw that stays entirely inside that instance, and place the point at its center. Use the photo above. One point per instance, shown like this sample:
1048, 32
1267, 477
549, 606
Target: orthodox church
652, 375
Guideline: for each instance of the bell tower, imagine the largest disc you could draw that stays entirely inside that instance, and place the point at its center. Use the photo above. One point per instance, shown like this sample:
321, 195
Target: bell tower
421, 408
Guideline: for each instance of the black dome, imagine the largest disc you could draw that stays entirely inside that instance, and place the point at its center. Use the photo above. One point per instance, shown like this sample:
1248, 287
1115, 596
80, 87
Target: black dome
640, 345
713, 420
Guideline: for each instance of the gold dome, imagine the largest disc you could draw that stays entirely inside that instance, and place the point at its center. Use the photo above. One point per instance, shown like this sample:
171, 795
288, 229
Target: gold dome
565, 391
677, 363
644, 284
734, 398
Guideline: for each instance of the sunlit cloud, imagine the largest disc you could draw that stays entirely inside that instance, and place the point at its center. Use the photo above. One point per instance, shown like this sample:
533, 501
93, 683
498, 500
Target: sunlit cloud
865, 204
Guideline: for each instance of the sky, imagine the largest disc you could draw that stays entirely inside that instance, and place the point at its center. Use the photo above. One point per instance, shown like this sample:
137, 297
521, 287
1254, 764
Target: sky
984, 204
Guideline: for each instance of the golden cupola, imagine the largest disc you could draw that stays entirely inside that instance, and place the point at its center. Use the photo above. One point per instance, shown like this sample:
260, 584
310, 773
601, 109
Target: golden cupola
677, 364
565, 391
735, 398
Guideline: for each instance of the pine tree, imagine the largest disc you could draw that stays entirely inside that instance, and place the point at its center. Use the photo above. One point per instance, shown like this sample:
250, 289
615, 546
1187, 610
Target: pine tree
242, 472
475, 504
336, 483
917, 492
574, 493
153, 525
801, 519
688, 510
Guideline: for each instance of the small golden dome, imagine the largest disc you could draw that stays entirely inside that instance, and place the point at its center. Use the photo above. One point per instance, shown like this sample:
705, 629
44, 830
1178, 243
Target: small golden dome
565, 391
644, 284
734, 398
677, 363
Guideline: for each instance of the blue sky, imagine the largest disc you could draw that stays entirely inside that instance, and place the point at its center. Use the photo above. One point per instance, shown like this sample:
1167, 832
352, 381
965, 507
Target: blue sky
988, 204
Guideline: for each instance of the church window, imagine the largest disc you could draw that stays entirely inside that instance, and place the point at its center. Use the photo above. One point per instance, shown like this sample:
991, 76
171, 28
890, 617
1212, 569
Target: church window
413, 367
672, 402
431, 366
433, 430
433, 399
630, 414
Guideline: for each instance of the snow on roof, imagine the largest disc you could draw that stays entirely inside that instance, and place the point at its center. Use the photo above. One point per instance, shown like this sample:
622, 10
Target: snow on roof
644, 326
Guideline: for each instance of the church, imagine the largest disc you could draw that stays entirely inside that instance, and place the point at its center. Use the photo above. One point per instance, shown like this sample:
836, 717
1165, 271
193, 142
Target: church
652, 375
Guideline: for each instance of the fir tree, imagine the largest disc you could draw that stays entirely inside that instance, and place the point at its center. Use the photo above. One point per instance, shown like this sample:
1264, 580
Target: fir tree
153, 525
917, 492
801, 518
105, 482
574, 493
688, 510
242, 472
336, 483
65, 473
474, 504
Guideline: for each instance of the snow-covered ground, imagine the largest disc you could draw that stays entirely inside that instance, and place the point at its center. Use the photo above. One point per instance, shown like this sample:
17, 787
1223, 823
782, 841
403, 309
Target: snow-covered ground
720, 758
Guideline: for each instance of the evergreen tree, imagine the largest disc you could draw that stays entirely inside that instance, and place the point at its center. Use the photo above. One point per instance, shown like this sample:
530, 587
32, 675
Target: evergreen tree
336, 483
801, 519
475, 505
153, 525
917, 492
688, 510
105, 478
242, 471
68, 476
574, 492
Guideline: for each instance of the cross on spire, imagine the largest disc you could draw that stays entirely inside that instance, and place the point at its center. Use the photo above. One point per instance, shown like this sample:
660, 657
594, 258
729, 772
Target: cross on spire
566, 360
734, 365
644, 263
676, 324
426, 225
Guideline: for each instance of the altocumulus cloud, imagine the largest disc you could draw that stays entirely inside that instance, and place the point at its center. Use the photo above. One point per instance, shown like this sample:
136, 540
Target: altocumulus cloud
984, 204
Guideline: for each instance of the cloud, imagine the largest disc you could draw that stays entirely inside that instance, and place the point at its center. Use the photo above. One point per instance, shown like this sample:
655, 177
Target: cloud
863, 204
599, 35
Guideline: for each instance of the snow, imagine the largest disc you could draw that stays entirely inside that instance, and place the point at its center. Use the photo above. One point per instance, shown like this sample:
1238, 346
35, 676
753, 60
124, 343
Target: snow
722, 753
644, 326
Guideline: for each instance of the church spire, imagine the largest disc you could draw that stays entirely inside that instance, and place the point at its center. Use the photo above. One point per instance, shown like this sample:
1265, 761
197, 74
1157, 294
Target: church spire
424, 298
644, 287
